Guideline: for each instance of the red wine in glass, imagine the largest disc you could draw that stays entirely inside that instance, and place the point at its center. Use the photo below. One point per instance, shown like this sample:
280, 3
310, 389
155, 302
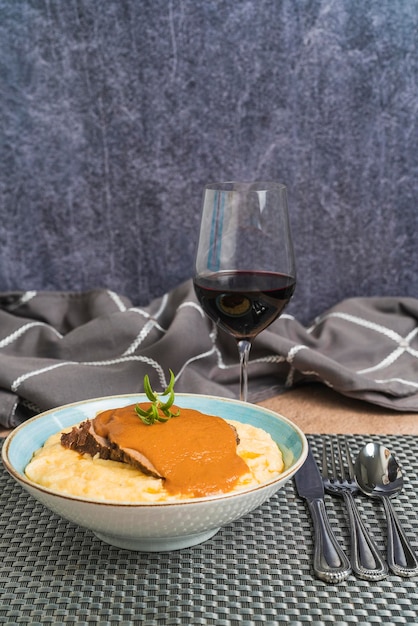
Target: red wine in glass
244, 303
245, 268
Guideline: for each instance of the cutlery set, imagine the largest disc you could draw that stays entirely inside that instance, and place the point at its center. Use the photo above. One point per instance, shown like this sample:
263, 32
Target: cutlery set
375, 473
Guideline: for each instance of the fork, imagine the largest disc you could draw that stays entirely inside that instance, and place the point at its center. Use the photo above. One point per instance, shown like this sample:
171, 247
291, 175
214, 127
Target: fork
366, 560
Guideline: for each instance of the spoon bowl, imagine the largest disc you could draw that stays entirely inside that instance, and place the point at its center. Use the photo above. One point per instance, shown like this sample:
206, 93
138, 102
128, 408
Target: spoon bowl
379, 475
377, 472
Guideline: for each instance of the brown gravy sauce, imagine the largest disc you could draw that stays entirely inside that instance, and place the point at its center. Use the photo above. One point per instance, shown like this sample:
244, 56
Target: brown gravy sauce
196, 453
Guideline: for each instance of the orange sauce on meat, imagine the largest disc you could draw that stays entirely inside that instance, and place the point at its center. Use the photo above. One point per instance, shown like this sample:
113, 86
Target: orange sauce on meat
194, 452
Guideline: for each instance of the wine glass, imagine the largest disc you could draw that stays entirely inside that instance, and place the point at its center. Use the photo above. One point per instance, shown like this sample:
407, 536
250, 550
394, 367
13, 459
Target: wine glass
245, 266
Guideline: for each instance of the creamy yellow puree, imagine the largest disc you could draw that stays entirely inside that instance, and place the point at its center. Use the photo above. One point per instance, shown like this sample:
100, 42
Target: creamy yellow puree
72, 473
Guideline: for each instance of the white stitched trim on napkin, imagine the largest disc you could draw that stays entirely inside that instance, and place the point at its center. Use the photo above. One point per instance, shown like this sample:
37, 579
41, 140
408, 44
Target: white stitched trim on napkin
25, 297
23, 329
145, 331
294, 350
391, 334
192, 305
402, 381
116, 299
16, 383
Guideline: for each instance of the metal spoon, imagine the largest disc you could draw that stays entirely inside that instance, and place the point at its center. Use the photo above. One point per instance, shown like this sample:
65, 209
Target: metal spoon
379, 476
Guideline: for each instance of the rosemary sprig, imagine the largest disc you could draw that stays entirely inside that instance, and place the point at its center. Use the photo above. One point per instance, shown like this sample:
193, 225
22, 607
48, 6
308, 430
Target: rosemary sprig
153, 414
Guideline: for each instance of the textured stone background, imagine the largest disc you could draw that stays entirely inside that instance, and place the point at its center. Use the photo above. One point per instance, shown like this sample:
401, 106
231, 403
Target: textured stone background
114, 114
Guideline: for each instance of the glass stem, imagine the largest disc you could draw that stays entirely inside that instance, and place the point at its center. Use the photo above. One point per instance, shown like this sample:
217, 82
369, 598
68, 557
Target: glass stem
244, 347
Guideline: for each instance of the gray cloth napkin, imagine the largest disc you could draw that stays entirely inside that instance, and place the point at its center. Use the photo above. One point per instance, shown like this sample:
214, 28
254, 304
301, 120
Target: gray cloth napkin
58, 348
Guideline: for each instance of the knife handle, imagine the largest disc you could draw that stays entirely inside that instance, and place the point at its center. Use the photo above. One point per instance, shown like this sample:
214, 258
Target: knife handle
330, 562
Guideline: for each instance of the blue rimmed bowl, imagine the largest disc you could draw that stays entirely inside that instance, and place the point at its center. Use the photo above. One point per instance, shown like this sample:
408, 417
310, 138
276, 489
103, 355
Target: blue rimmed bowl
155, 527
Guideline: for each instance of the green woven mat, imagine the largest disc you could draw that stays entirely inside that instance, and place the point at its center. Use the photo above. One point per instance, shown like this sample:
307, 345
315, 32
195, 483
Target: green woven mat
253, 572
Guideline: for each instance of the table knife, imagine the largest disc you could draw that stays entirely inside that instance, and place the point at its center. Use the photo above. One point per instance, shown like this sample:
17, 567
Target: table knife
330, 563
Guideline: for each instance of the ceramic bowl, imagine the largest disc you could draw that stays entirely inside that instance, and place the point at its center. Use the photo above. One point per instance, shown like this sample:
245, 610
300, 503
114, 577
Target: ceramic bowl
153, 527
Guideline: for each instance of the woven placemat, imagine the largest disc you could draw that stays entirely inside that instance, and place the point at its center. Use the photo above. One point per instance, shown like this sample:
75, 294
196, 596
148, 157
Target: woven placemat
255, 571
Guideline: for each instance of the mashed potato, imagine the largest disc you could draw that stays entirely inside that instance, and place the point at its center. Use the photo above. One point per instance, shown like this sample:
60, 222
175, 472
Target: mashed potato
72, 473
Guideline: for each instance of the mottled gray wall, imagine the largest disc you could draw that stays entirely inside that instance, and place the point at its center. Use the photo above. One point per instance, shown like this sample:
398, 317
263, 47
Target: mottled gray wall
114, 114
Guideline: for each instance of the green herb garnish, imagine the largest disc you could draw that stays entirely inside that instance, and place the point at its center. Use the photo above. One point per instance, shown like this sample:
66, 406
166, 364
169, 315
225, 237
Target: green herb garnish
153, 414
